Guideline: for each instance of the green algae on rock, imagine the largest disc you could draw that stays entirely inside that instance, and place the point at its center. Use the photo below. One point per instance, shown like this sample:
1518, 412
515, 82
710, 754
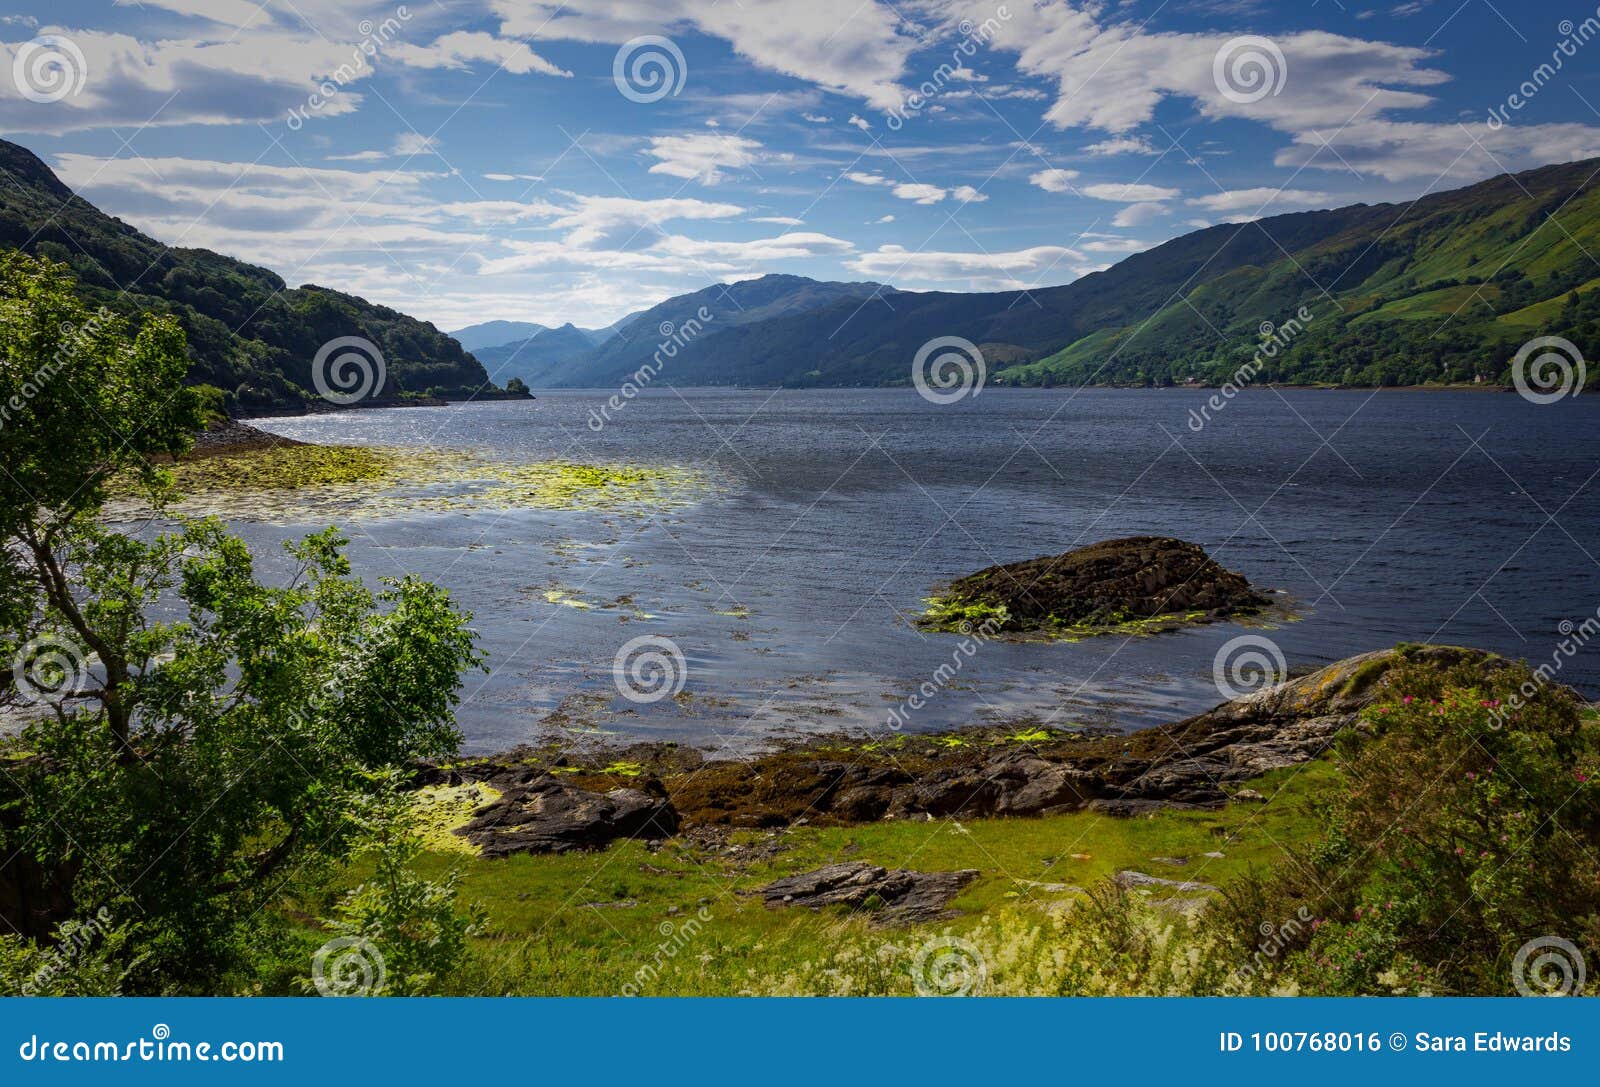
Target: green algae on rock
298, 484
1138, 585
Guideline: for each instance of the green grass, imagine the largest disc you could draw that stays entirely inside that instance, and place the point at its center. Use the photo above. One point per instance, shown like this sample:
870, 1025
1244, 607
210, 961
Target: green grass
585, 923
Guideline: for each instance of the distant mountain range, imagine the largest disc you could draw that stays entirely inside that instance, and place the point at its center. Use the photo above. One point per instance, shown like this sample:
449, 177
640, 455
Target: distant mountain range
1444, 289
573, 356
496, 333
249, 333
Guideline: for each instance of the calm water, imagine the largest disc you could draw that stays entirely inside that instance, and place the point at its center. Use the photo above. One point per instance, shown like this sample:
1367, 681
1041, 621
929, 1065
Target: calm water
1458, 517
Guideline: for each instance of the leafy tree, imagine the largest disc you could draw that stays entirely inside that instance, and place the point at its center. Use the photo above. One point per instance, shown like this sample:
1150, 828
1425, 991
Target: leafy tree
198, 736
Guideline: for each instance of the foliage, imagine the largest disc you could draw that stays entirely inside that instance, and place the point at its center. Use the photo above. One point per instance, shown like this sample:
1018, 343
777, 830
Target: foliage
247, 331
82, 958
414, 923
1469, 827
197, 736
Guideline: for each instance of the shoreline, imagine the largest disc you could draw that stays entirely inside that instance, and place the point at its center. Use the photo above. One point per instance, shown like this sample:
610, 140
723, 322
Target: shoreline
548, 795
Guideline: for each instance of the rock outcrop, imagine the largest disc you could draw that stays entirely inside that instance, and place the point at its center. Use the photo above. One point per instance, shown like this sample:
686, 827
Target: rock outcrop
1112, 585
542, 814
894, 895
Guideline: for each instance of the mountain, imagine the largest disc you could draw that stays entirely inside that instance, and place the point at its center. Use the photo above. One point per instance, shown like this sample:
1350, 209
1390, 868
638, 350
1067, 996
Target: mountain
691, 320
495, 333
1442, 289
536, 357
1445, 289
249, 332
870, 336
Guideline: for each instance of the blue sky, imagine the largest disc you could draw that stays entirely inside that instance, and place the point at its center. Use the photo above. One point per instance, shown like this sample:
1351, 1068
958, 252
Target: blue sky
512, 159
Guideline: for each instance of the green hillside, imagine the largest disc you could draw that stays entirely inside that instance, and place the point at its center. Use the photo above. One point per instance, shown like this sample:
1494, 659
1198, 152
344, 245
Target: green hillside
1442, 290
249, 333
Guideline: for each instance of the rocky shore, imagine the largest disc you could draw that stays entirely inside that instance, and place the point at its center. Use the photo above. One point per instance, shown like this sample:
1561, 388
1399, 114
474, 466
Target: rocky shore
548, 800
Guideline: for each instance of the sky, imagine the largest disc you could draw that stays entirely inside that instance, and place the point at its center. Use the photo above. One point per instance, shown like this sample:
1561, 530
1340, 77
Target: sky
508, 159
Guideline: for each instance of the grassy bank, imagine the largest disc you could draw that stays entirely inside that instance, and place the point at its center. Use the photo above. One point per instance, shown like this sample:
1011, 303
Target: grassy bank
683, 919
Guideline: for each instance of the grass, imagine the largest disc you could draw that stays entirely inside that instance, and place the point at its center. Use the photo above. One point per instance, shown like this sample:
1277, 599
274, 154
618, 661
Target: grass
685, 914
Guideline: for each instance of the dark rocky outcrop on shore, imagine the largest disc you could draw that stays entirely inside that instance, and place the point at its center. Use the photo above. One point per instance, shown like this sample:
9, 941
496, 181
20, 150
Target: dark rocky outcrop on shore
538, 813
1106, 586
895, 895
1197, 763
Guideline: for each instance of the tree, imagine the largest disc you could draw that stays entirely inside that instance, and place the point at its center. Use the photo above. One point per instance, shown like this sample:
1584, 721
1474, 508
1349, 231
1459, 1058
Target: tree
517, 387
197, 736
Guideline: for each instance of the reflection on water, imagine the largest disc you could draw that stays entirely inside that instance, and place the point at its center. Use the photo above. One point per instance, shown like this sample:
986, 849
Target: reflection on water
1457, 517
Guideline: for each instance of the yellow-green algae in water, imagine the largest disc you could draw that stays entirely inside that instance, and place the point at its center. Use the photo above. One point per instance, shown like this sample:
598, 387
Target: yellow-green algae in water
308, 483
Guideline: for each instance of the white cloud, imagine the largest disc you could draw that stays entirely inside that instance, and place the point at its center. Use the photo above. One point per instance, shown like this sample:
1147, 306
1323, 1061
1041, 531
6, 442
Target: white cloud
1261, 201
863, 177
1053, 180
844, 46
234, 13
894, 263
462, 49
968, 195
922, 194
1113, 75
860, 122
779, 220
1128, 193
1136, 215
1122, 145
256, 77
703, 156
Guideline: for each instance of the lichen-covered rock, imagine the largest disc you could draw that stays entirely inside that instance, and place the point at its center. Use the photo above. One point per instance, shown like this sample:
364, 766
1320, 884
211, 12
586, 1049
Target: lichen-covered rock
1138, 583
